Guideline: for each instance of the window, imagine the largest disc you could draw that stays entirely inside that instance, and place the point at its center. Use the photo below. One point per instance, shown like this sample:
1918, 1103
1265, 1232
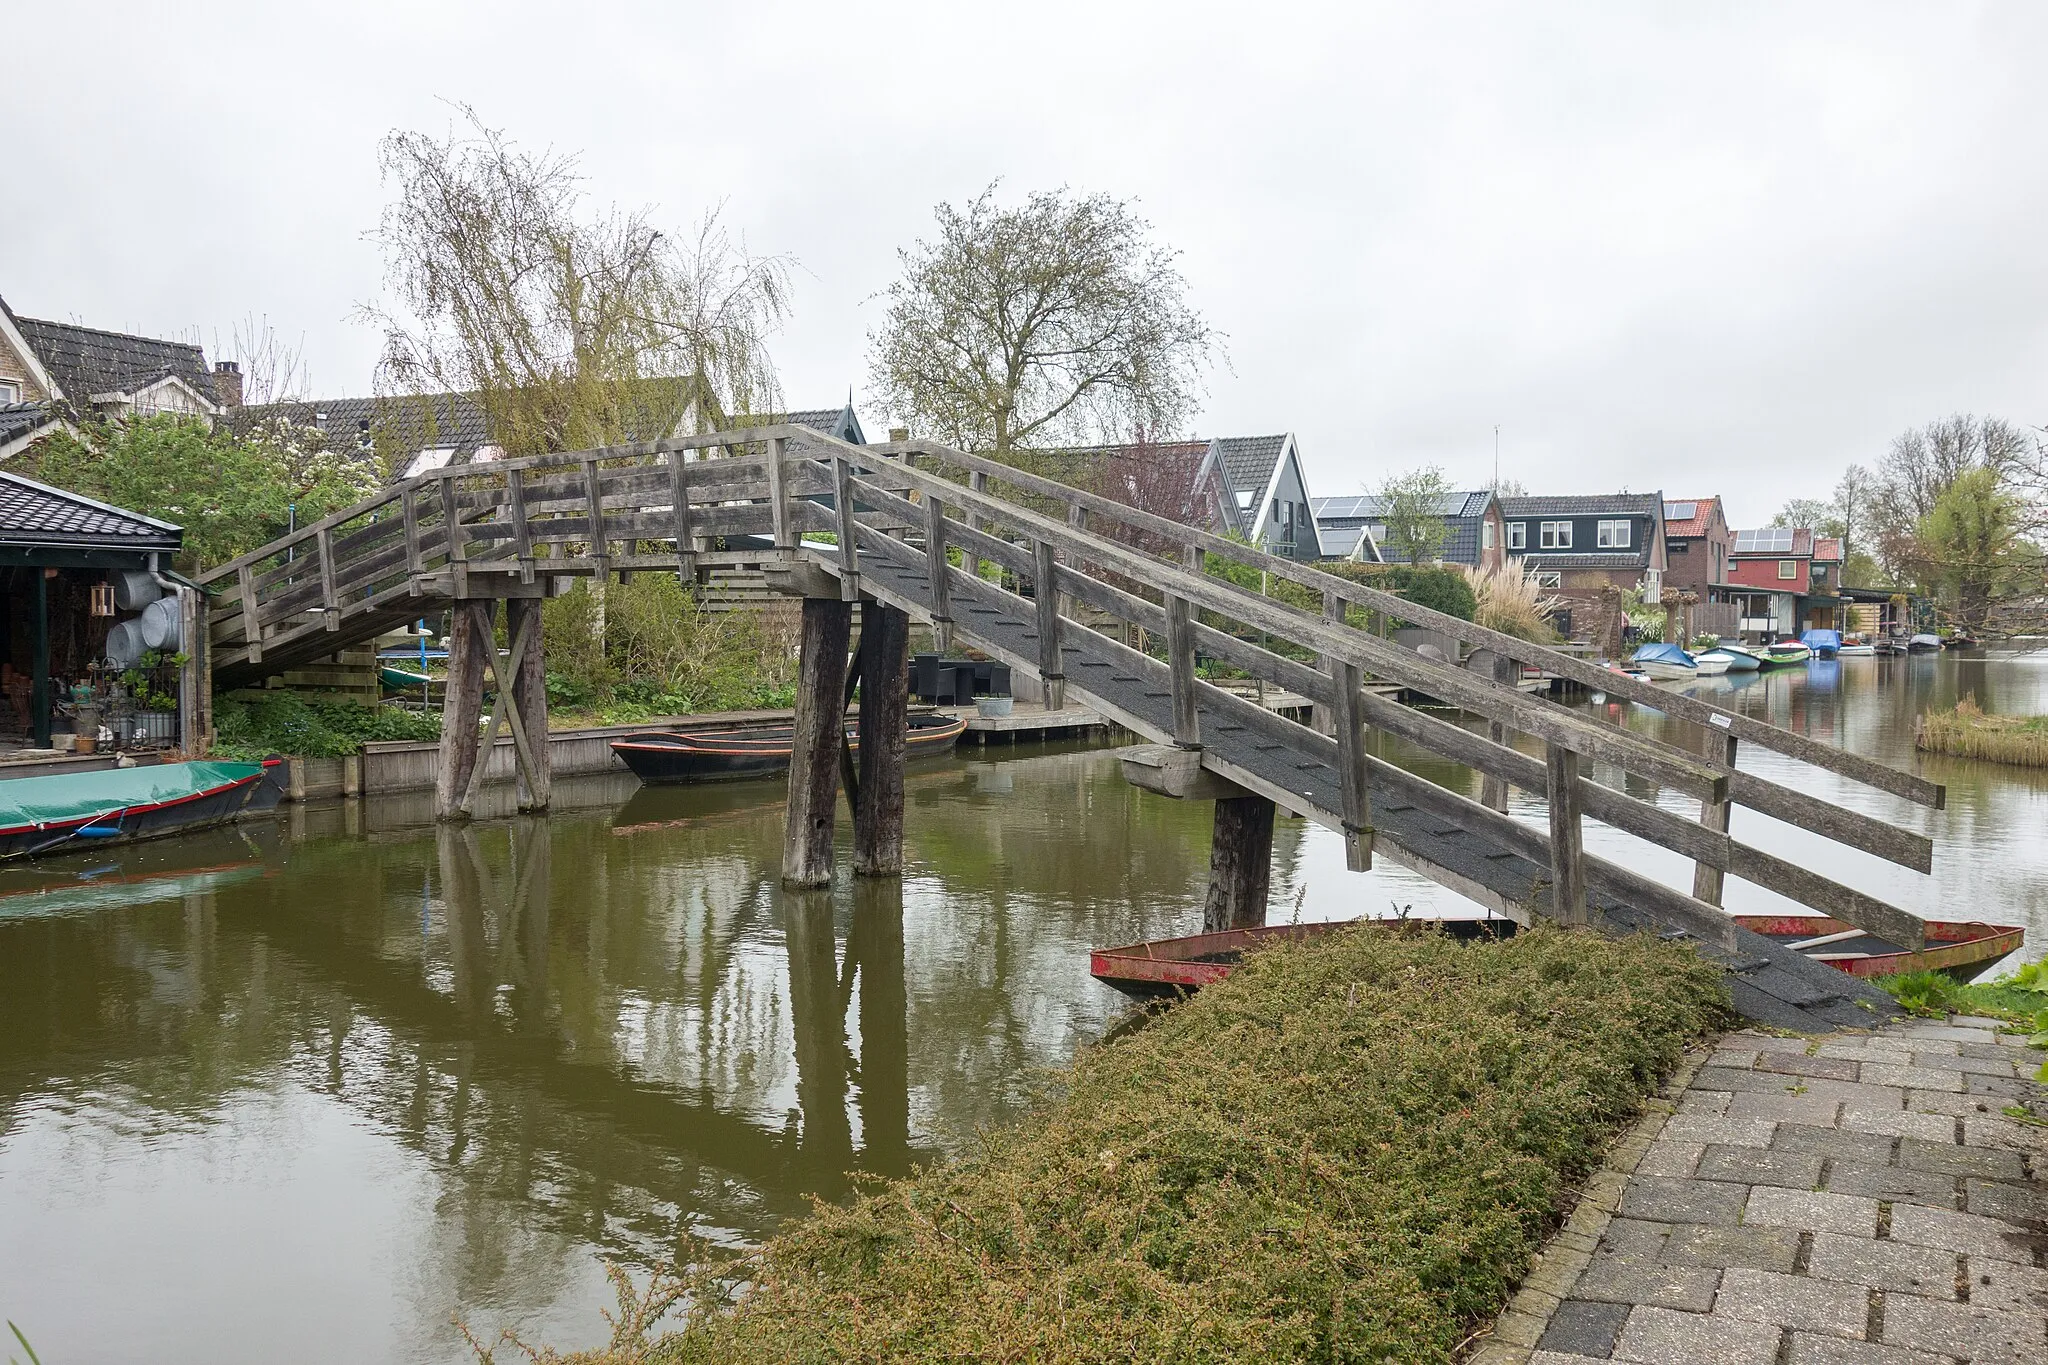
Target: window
1555, 535
1612, 535
10, 392
1788, 568
1486, 535
1550, 578
1518, 535
1820, 573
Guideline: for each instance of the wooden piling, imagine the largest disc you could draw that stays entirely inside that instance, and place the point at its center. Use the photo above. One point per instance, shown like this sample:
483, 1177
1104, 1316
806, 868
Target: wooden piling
1240, 864
1567, 842
884, 697
1706, 880
1493, 792
814, 753
462, 705
530, 702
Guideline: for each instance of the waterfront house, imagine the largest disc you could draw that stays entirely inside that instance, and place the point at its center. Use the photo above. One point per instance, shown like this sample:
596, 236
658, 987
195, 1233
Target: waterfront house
1585, 548
1697, 543
1353, 528
1785, 580
56, 374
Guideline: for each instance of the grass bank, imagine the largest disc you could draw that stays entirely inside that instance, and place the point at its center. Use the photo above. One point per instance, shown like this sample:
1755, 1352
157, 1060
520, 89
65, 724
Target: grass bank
1967, 732
1348, 1152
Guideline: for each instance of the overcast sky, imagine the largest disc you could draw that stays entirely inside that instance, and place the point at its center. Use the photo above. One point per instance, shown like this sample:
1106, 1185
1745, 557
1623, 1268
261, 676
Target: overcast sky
1701, 249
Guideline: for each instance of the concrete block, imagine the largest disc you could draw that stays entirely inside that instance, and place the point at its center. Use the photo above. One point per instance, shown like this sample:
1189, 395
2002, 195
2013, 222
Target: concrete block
1893, 1182
1733, 1132
1757, 1248
1816, 1068
1891, 1266
1664, 1200
1640, 1279
1814, 1349
1761, 1166
1816, 1111
1793, 1301
1928, 1127
2008, 1287
1944, 1156
1810, 1211
1581, 1329
1982, 1335
1967, 1233
1659, 1336
2014, 1202
1668, 1157
1833, 1143
1911, 1077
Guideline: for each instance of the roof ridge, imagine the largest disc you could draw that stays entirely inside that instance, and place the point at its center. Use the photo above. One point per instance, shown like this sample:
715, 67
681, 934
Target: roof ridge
110, 332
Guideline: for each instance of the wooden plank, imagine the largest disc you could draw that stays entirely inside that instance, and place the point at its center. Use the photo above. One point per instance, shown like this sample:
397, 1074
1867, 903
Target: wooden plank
529, 708
409, 508
938, 571
679, 509
1240, 864
600, 548
1706, 878
1353, 772
884, 699
252, 616
1567, 838
330, 600
778, 495
1051, 662
452, 532
843, 507
522, 533
1180, 663
818, 734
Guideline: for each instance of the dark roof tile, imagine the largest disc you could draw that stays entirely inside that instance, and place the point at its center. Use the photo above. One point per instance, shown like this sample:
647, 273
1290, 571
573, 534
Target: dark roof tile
35, 513
86, 361
1585, 505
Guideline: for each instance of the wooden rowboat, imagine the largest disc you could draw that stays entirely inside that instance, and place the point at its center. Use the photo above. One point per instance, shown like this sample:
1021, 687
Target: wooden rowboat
65, 812
1175, 966
758, 750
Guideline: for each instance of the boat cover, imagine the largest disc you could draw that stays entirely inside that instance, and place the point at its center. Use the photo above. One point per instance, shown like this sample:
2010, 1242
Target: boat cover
1665, 654
67, 798
1822, 639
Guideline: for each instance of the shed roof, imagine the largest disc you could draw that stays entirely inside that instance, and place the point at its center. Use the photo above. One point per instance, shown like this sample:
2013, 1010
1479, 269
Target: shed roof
34, 513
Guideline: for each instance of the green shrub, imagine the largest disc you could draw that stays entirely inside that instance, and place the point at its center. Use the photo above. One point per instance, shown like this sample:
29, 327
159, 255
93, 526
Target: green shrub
1440, 587
1350, 1151
664, 653
250, 724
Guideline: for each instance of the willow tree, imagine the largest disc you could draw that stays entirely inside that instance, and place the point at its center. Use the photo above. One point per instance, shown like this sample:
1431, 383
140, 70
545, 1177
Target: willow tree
1055, 322
572, 327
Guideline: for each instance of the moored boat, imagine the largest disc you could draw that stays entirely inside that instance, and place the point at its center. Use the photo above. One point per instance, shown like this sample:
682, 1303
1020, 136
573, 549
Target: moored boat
1740, 659
1923, 644
1824, 643
66, 811
1962, 948
1711, 664
758, 750
1783, 653
1855, 647
1667, 662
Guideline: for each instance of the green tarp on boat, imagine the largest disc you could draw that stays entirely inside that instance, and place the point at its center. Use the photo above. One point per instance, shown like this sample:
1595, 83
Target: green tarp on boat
29, 803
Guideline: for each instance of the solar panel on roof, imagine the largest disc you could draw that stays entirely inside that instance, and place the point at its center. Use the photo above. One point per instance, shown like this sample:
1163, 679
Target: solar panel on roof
1681, 511
1768, 540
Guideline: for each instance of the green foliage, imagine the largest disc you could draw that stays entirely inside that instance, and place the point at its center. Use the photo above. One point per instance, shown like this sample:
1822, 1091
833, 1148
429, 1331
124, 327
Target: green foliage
1439, 587
664, 653
1350, 1151
1509, 601
1968, 732
1968, 549
33, 1358
250, 724
230, 494
1411, 507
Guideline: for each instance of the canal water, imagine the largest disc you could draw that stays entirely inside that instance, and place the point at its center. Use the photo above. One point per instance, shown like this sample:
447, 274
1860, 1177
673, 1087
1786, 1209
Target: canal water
316, 1088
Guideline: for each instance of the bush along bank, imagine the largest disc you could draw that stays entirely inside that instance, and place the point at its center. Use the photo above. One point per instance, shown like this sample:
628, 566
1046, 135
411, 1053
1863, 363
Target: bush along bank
255, 723
1350, 1151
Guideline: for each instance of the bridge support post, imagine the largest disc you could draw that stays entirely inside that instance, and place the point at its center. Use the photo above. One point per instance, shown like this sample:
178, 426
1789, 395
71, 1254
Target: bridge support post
1567, 844
1707, 881
817, 738
469, 642
1240, 864
884, 696
529, 702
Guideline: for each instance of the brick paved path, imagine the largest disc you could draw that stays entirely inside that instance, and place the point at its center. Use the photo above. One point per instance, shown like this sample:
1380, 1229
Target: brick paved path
1851, 1200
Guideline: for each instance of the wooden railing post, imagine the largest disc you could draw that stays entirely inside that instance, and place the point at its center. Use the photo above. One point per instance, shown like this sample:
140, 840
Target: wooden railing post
1347, 718
1321, 716
1567, 842
849, 551
252, 621
679, 506
600, 547
1503, 672
408, 503
330, 601
1707, 881
451, 527
1051, 661
1180, 662
778, 495
522, 533
936, 570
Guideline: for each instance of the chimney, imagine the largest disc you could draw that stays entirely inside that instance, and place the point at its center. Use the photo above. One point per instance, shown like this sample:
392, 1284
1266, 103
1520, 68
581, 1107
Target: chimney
227, 383
899, 433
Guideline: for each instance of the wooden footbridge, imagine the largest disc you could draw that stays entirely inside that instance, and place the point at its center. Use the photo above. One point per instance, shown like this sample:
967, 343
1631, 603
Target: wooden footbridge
840, 525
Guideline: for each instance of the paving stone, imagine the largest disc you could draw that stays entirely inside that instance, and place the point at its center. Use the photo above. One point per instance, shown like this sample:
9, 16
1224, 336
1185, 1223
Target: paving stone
1996, 1130
1954, 1105
1979, 1066
1659, 1336
1951, 1032
1867, 1050
1728, 1078
1705, 1103
1893, 1182
1965, 1232
1999, 1085
2015, 1203
1581, 1329
1927, 1127
2008, 1287
1811, 1211
1769, 1042
1663, 1199
1552, 1358
1793, 1301
1798, 1064
1817, 1111
1891, 1266
1667, 1157
1757, 1248
1733, 1132
1946, 1157
1911, 1077
1983, 1335
1811, 1349
1761, 1166
1629, 1236
1878, 1099
1742, 1058
1642, 1279
1833, 1142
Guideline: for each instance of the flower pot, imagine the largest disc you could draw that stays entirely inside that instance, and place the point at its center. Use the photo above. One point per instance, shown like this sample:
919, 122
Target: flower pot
992, 707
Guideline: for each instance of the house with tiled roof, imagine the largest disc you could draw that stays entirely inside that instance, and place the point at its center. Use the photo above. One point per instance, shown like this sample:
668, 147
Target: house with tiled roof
1353, 527
1786, 580
1697, 542
1581, 548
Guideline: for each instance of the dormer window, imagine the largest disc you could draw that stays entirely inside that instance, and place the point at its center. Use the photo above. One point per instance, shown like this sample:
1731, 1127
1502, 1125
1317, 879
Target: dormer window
10, 392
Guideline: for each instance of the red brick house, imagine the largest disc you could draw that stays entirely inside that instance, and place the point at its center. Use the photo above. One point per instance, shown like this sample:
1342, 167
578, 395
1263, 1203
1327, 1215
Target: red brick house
1785, 580
1697, 544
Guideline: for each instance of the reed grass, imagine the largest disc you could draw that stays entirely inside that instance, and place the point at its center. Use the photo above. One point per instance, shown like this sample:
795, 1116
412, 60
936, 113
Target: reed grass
1508, 600
1966, 731
1350, 1151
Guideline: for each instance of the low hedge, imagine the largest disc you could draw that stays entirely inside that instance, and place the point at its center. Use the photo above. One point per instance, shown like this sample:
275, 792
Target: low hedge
1348, 1152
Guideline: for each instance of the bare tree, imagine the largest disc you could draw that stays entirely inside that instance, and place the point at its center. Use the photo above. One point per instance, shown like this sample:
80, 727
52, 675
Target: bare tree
1058, 322
573, 329
273, 368
1923, 464
1153, 476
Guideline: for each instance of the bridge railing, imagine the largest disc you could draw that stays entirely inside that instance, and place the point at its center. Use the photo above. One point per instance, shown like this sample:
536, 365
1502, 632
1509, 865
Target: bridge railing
1183, 602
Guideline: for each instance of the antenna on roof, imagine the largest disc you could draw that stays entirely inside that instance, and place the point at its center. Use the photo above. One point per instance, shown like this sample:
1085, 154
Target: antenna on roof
1496, 459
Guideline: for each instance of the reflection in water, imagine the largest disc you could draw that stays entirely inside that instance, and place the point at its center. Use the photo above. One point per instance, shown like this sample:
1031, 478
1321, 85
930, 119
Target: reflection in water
305, 1088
